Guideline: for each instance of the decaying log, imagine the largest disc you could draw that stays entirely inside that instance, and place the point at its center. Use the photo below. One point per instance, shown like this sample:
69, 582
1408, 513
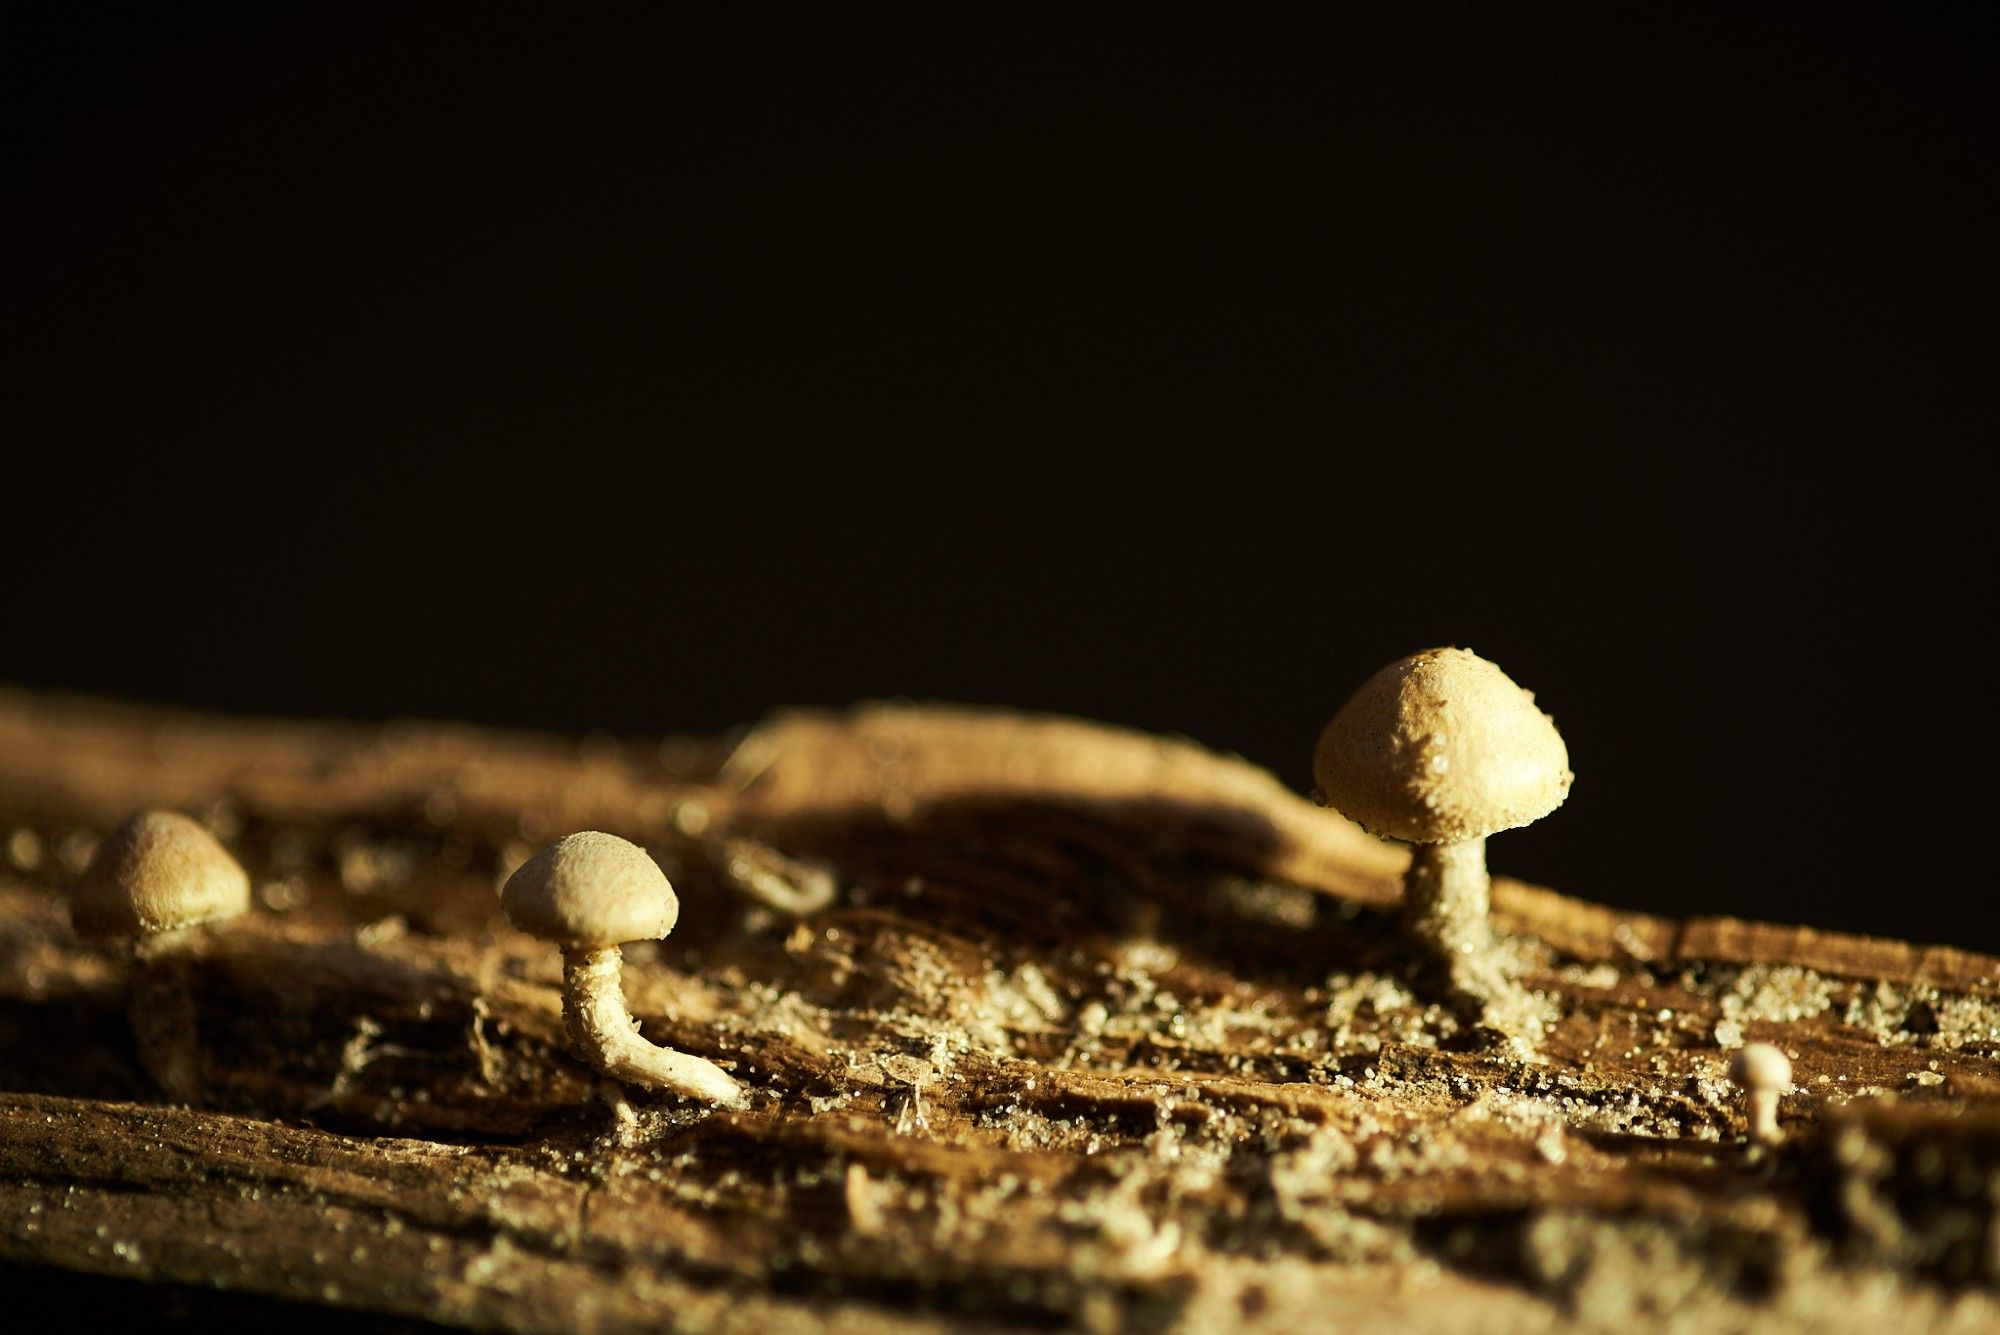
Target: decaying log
1045, 1023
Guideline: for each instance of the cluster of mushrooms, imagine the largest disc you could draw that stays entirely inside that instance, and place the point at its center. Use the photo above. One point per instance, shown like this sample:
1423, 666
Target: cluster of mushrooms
1438, 750
161, 883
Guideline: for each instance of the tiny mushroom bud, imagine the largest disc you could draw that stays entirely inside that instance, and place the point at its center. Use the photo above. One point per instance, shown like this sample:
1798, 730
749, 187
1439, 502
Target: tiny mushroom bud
1763, 1073
1441, 749
156, 882
588, 893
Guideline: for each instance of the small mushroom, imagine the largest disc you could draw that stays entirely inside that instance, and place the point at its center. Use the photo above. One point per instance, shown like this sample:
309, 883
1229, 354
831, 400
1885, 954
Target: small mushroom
587, 893
158, 882
1763, 1073
1441, 749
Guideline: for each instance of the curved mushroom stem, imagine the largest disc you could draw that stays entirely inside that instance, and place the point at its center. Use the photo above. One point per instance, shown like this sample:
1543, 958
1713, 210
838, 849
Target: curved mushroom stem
161, 1008
608, 1037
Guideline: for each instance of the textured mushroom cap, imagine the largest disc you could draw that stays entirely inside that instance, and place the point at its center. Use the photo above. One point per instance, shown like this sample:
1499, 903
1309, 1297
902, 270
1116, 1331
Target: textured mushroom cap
158, 872
1759, 1066
591, 889
1440, 747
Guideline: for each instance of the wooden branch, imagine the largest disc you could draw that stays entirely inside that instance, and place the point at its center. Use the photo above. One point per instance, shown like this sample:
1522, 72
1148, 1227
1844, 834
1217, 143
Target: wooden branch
1044, 1022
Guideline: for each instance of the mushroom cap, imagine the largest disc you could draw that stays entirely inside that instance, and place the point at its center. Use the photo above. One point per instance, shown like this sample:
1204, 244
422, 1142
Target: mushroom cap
1761, 1066
591, 889
1440, 747
158, 872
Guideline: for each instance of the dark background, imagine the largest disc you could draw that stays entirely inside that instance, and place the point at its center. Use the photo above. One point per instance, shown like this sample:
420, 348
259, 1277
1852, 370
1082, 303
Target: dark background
1179, 373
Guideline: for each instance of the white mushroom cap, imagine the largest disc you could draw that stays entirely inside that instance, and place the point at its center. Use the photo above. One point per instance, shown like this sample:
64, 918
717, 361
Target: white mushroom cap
591, 890
1761, 1067
1440, 747
158, 872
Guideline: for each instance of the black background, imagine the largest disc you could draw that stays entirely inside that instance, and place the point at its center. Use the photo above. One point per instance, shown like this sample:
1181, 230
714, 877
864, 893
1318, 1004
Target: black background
590, 376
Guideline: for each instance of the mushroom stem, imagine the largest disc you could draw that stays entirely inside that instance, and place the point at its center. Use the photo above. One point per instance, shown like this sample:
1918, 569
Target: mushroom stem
161, 1009
1764, 1117
163, 1026
608, 1037
1445, 896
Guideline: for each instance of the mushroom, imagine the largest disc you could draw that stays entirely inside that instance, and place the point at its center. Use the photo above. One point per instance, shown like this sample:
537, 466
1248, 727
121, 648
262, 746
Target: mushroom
157, 882
587, 893
1441, 749
1762, 1072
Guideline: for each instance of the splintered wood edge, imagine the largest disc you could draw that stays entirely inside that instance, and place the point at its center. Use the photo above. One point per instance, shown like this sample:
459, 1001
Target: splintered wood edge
98, 760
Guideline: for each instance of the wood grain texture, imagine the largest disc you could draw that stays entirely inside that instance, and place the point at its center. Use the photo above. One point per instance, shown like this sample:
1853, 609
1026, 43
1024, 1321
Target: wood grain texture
1045, 1023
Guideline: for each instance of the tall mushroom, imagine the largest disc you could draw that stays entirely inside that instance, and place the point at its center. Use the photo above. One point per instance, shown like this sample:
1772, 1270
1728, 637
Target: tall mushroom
588, 893
1441, 749
158, 881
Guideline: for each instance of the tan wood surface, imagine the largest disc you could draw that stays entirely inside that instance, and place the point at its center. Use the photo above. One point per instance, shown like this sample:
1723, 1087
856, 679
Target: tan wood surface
1044, 1022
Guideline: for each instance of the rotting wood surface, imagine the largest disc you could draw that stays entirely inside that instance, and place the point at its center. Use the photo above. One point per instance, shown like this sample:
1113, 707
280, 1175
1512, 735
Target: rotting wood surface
1046, 1024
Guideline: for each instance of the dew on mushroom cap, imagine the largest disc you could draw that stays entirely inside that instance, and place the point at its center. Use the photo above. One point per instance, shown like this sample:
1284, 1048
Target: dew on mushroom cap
158, 872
